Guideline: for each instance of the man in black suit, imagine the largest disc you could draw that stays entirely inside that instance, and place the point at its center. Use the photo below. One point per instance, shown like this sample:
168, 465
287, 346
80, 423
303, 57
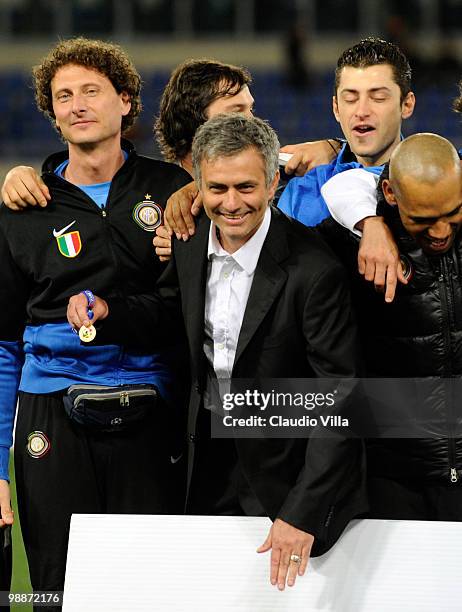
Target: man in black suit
260, 296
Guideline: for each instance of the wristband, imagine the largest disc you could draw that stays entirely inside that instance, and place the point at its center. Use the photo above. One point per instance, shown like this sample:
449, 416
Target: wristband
90, 298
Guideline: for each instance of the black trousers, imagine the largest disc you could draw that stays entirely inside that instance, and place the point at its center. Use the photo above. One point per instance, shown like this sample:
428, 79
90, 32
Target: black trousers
85, 472
414, 499
218, 484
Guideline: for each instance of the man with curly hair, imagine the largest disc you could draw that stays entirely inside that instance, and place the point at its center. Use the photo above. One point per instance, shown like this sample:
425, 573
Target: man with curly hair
96, 231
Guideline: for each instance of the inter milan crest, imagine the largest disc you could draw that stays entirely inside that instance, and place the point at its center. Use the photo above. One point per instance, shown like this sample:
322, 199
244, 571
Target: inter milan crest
147, 214
38, 444
69, 244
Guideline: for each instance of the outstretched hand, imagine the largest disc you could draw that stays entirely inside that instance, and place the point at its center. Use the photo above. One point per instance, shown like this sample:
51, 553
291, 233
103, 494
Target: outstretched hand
378, 257
290, 552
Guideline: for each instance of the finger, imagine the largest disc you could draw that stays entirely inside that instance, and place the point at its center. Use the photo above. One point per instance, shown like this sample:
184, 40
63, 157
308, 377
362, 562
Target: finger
293, 570
169, 219
306, 552
164, 232
45, 192
31, 190
293, 163
73, 318
164, 242
176, 221
70, 314
163, 254
81, 313
167, 226
188, 218
392, 280
11, 205
379, 277
266, 544
7, 515
28, 198
77, 311
161, 243
25, 179
182, 214
283, 569
302, 168
197, 205
38, 191
11, 199
288, 149
369, 272
274, 567
361, 263
400, 273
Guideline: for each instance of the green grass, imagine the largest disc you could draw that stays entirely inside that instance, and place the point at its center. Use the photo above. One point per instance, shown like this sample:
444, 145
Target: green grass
20, 582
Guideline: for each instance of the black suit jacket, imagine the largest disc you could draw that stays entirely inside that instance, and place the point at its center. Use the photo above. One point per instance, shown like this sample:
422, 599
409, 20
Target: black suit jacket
298, 323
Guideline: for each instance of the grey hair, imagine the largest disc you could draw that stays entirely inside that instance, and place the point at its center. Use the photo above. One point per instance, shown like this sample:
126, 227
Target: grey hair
228, 134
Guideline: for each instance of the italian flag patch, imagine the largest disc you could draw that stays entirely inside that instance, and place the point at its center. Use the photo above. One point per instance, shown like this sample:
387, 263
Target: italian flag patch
69, 244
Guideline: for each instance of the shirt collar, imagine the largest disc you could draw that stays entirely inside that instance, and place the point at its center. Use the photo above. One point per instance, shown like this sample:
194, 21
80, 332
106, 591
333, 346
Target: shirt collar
346, 155
247, 256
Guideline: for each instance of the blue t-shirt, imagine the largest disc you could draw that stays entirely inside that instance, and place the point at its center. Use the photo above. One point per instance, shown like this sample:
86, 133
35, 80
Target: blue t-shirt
302, 199
98, 192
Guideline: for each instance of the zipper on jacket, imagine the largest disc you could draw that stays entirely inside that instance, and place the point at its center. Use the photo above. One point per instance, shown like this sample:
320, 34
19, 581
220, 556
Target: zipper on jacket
109, 241
447, 304
446, 293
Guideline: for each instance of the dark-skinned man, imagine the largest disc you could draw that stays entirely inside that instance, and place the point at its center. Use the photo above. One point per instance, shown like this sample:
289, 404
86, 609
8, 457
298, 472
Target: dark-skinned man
420, 333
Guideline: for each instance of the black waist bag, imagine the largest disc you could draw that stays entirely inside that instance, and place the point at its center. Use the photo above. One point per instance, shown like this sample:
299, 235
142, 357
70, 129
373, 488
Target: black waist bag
109, 408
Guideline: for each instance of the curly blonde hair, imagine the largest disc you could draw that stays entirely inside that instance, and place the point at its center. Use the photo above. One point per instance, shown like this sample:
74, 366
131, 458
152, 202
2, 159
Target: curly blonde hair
106, 58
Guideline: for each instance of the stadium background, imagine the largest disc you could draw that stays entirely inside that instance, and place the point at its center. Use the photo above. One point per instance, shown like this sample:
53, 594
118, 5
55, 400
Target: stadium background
290, 46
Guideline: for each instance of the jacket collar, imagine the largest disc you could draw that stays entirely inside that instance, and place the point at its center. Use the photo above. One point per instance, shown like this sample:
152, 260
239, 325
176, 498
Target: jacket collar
268, 281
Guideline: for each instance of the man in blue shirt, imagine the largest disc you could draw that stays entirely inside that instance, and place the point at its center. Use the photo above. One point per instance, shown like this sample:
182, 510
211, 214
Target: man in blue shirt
372, 95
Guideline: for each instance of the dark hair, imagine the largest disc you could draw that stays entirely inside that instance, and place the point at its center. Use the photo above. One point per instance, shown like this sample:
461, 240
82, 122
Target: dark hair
192, 86
371, 52
106, 58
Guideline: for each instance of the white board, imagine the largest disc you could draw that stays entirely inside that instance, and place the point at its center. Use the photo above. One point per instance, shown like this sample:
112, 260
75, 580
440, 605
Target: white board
193, 563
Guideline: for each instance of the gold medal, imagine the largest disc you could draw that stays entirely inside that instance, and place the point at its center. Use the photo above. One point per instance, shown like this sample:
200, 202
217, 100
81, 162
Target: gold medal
87, 334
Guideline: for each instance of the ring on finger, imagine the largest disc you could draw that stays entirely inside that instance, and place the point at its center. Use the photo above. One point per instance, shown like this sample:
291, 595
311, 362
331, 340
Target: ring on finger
295, 558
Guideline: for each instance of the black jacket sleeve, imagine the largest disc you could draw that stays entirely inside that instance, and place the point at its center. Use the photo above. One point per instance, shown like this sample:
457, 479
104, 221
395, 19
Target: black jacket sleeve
146, 321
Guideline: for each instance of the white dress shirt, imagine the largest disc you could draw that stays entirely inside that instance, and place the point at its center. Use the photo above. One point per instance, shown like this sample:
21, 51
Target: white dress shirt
229, 279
